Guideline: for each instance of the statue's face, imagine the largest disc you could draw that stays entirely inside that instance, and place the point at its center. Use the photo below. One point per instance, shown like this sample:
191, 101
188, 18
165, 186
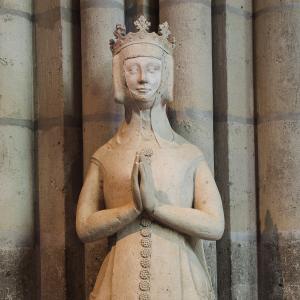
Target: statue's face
143, 76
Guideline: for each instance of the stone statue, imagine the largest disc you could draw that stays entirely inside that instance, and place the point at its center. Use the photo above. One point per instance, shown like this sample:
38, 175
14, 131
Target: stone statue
148, 190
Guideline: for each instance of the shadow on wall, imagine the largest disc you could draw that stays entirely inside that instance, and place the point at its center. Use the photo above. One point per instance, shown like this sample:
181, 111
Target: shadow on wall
270, 265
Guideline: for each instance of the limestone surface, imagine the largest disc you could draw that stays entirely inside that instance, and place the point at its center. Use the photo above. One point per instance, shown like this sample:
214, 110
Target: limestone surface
148, 190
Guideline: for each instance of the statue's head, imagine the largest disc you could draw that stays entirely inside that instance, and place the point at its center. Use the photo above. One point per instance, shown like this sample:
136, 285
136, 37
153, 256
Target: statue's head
142, 64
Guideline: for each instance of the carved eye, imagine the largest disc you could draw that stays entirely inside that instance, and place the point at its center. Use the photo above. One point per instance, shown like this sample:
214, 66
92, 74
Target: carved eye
152, 68
133, 70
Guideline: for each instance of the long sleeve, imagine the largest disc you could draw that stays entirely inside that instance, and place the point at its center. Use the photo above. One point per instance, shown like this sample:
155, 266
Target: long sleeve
206, 219
93, 222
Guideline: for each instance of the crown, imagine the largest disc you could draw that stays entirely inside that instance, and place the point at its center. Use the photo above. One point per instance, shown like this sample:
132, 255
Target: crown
163, 39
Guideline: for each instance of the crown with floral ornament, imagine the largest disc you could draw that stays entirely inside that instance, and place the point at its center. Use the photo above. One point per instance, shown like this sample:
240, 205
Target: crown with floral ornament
163, 39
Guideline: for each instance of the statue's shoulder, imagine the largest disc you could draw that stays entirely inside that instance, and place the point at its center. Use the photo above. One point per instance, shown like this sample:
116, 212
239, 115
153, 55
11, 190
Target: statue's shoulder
102, 152
192, 150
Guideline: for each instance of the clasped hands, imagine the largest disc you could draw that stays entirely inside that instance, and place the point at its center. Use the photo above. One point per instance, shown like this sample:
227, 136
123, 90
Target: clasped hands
144, 193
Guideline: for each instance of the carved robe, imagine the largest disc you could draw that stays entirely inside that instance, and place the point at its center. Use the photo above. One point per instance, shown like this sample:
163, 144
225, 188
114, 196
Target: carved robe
148, 260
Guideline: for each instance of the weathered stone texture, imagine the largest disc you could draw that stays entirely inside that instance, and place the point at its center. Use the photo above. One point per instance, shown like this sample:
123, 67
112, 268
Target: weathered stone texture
16, 152
235, 147
59, 148
16, 273
277, 53
243, 272
191, 113
101, 115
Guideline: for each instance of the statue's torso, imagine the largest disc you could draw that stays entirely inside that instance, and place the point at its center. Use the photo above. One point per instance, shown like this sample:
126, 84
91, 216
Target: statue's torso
173, 170
148, 260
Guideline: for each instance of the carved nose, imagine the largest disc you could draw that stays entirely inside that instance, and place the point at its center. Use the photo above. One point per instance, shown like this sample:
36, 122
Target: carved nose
143, 78
142, 81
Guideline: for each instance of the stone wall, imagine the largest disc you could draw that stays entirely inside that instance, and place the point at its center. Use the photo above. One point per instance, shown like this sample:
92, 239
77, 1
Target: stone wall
17, 199
234, 147
191, 111
60, 260
277, 81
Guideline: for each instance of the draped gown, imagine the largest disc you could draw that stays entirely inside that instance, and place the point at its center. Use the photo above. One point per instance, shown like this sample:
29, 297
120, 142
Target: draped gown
148, 260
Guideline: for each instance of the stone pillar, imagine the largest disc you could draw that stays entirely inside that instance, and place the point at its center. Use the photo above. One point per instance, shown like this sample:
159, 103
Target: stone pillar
277, 81
16, 151
235, 147
59, 148
101, 115
191, 111
136, 8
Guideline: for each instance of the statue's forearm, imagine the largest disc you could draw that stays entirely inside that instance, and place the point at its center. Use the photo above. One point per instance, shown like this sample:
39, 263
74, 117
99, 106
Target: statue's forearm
106, 222
190, 221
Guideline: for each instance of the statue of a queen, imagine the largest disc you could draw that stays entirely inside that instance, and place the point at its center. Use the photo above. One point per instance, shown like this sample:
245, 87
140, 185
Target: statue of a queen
147, 189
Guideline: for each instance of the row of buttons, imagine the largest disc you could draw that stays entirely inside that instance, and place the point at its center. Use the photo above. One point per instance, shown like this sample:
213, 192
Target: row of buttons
145, 261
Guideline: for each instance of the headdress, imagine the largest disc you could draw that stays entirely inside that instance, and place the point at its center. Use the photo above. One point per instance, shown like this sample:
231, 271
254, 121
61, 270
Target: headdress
160, 46
163, 39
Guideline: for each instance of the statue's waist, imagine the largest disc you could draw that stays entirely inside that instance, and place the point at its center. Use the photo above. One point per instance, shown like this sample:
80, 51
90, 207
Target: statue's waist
147, 228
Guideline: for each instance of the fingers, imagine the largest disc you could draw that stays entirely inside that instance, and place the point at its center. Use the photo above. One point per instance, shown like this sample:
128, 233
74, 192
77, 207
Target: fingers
142, 173
135, 183
147, 183
135, 169
146, 189
147, 170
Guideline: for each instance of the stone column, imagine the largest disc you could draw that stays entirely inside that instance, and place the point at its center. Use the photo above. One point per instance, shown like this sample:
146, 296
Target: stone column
136, 8
277, 80
101, 115
235, 147
59, 148
191, 112
16, 151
